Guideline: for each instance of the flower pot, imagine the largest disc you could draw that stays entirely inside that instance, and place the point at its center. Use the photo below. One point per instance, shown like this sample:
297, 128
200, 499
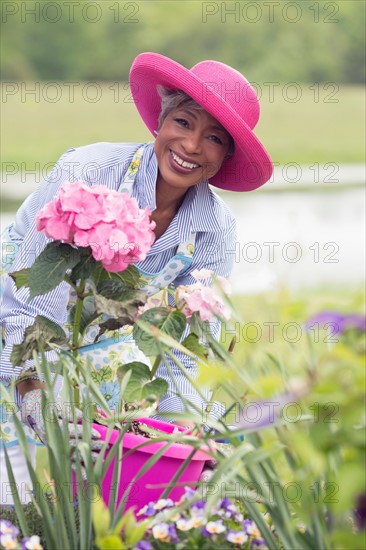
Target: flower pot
145, 489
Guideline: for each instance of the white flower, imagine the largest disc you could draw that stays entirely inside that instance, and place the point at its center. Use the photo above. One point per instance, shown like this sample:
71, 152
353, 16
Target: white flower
8, 542
237, 537
163, 503
160, 531
184, 524
33, 543
215, 527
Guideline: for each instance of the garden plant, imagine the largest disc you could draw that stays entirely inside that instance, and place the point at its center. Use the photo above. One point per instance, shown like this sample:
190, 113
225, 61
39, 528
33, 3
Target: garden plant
291, 471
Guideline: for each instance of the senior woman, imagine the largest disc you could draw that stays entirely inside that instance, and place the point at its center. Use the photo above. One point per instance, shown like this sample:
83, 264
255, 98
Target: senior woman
203, 121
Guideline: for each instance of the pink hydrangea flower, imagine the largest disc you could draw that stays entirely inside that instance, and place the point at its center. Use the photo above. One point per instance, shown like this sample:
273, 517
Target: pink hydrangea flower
208, 301
118, 232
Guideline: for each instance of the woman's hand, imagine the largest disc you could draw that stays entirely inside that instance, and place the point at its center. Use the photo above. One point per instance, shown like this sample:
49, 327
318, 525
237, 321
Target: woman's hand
33, 416
185, 424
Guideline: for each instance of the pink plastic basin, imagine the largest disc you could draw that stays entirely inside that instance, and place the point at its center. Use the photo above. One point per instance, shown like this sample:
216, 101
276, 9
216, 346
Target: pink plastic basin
142, 491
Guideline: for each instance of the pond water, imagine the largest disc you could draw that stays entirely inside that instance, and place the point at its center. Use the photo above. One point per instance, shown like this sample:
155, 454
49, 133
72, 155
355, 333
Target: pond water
296, 239
299, 239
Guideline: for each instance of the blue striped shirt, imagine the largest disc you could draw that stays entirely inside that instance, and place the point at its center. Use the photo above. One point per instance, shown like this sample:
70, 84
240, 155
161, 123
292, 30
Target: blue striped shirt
106, 163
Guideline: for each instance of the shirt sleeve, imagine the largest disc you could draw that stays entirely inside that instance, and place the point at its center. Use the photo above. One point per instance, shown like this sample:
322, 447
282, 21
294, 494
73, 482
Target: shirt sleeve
17, 313
101, 163
213, 251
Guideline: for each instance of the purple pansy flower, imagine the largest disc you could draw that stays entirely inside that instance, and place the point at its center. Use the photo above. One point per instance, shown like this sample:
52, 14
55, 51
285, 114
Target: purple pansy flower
143, 545
200, 504
147, 510
360, 512
7, 528
336, 322
173, 533
225, 503
258, 544
188, 492
257, 415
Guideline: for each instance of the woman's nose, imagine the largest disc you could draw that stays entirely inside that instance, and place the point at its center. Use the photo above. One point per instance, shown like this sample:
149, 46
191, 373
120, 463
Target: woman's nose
193, 142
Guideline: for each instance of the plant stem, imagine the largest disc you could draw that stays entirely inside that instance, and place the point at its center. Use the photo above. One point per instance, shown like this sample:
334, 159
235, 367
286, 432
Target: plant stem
75, 330
155, 366
77, 317
69, 282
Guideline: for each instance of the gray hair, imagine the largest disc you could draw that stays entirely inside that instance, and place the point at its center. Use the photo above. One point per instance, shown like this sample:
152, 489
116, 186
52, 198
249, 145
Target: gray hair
172, 99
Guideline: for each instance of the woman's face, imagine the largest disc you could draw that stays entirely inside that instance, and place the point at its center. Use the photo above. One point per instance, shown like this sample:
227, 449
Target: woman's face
191, 146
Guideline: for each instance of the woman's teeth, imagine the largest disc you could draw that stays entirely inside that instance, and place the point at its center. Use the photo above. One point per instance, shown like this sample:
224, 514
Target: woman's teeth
183, 163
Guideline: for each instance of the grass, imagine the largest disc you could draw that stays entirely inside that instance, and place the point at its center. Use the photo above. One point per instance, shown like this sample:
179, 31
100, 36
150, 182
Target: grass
271, 325
39, 127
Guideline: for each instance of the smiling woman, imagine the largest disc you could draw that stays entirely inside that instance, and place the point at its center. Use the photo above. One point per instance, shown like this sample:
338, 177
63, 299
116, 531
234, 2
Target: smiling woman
204, 134
190, 147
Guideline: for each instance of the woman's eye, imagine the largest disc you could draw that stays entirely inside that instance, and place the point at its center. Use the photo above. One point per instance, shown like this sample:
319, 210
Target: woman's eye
181, 121
216, 139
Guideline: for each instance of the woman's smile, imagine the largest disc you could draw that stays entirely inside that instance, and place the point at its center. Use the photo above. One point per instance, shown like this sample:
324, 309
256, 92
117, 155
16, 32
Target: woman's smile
184, 163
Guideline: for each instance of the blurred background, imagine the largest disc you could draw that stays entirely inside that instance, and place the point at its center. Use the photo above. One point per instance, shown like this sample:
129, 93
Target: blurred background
65, 83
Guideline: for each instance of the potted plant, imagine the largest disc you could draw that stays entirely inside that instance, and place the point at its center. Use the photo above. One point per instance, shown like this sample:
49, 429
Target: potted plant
89, 252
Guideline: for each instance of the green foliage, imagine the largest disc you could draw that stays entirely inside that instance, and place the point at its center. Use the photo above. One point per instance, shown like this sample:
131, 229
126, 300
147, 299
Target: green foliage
108, 537
163, 318
140, 386
323, 126
54, 261
322, 41
32, 518
306, 470
113, 294
41, 336
191, 342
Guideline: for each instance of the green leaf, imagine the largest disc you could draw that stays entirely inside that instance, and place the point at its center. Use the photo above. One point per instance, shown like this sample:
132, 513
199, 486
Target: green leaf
88, 314
130, 278
50, 267
86, 267
110, 542
168, 321
41, 336
101, 518
114, 324
115, 290
20, 277
139, 386
126, 309
192, 343
133, 532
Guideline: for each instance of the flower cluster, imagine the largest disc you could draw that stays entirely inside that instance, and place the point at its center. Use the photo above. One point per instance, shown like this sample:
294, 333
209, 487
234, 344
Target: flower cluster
337, 322
208, 301
111, 223
189, 522
9, 538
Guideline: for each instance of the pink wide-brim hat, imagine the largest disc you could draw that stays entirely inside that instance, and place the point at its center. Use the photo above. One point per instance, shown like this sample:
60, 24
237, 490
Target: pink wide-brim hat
221, 91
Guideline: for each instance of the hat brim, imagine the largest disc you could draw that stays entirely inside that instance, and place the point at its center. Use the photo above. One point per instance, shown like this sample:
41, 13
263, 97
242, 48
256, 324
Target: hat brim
249, 167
